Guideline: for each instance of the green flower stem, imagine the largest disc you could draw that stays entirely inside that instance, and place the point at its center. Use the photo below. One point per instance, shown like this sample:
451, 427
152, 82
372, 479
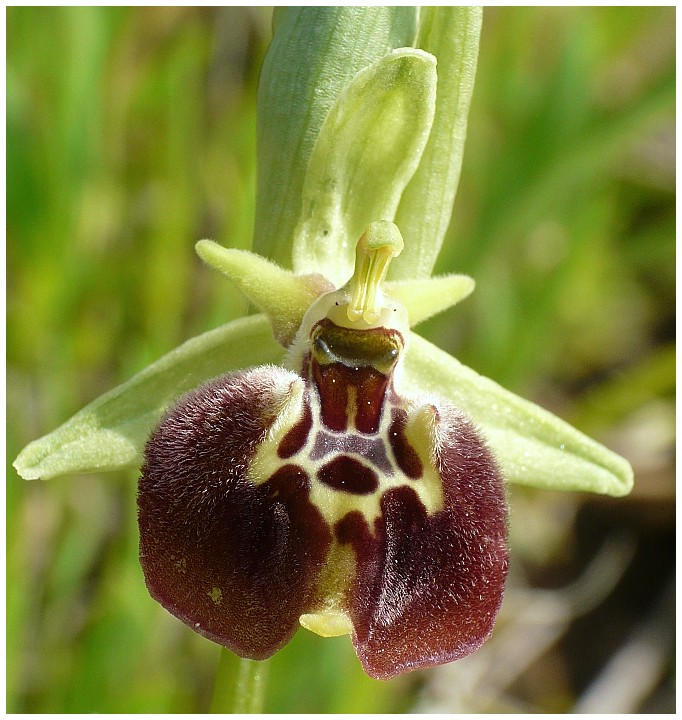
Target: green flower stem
239, 685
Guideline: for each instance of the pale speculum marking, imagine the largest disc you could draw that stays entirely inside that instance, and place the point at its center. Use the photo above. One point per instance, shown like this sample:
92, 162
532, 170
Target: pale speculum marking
351, 433
372, 448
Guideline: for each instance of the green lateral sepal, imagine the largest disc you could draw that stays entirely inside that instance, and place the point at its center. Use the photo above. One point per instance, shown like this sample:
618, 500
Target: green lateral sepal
110, 433
533, 446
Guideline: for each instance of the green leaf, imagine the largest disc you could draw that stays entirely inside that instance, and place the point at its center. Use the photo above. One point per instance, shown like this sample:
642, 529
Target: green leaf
423, 216
314, 53
110, 433
532, 446
366, 153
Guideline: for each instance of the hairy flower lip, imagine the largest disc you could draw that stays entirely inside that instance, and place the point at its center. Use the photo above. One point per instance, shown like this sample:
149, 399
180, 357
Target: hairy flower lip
221, 553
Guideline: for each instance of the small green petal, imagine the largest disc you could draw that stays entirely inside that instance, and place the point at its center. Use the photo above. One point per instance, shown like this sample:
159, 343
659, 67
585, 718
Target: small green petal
423, 216
367, 151
532, 446
281, 295
111, 432
285, 297
314, 53
428, 296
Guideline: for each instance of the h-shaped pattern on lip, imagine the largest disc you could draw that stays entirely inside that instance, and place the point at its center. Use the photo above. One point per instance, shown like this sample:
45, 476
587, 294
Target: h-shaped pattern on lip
325, 496
349, 430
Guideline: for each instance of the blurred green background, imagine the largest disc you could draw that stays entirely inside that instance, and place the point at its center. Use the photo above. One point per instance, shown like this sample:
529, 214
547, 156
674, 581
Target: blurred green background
131, 134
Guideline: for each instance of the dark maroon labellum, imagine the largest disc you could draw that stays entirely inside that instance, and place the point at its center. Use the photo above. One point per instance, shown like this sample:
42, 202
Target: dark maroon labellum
269, 498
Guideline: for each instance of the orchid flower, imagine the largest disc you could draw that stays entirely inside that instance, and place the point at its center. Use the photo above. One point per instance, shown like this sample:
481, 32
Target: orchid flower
319, 464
